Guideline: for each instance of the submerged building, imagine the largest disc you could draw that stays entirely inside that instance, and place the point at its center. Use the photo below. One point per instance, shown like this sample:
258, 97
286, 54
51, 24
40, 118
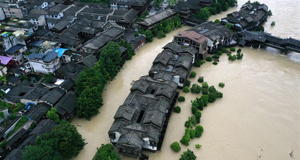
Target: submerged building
174, 63
248, 17
140, 123
217, 35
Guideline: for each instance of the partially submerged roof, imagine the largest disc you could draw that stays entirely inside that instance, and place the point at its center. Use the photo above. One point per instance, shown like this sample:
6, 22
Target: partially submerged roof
192, 35
157, 17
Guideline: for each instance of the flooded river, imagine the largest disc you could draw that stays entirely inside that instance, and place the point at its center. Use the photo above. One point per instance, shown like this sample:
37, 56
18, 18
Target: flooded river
258, 117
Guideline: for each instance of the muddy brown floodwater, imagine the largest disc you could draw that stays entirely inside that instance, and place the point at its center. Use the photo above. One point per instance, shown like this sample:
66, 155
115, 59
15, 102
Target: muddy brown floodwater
258, 117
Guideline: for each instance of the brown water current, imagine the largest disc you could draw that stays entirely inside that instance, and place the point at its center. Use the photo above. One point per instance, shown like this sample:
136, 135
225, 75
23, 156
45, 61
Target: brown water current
258, 117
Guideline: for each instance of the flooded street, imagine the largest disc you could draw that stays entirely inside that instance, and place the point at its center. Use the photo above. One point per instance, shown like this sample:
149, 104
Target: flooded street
258, 117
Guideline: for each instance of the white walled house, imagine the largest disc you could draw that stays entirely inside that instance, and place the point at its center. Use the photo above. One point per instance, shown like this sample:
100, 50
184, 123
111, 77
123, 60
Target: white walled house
44, 63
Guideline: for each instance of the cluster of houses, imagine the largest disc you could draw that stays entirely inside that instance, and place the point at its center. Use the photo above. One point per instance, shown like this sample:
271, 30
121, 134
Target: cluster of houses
140, 122
248, 17
45, 44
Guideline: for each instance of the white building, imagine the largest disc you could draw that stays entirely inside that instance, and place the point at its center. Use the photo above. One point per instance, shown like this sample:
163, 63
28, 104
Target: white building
44, 63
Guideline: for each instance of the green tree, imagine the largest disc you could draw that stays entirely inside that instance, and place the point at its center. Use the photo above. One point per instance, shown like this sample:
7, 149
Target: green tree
177, 109
228, 25
221, 84
2, 79
149, 36
192, 133
89, 77
225, 6
89, 102
186, 138
192, 74
188, 155
195, 88
208, 59
106, 152
199, 130
217, 21
203, 14
53, 115
63, 142
181, 99
186, 89
175, 146
198, 116
129, 49
160, 34
187, 83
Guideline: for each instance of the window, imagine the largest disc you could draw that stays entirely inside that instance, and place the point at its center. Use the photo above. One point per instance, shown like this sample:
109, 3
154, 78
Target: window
153, 90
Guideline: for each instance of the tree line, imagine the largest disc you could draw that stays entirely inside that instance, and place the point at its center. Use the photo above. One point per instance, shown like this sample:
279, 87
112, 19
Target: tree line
91, 81
160, 30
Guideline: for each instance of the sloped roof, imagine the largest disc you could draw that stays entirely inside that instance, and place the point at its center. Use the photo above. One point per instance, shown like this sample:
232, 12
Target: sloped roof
157, 17
66, 104
38, 111
53, 96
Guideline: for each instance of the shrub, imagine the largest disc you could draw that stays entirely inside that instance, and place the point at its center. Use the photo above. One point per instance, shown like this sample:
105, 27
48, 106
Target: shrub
228, 25
217, 21
197, 64
219, 95
204, 85
181, 99
212, 89
201, 62
186, 89
260, 28
223, 50
215, 63
192, 133
232, 49
212, 97
188, 155
239, 50
200, 79
273, 23
195, 88
269, 13
160, 34
106, 152
229, 54
194, 109
232, 57
186, 138
198, 103
177, 109
198, 116
197, 145
187, 83
208, 59
199, 130
216, 56
205, 99
175, 146
219, 53
221, 84
193, 74
239, 56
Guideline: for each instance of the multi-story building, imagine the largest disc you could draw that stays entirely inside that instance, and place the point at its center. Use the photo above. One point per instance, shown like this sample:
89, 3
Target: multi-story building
217, 35
195, 40
44, 63
10, 10
248, 17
